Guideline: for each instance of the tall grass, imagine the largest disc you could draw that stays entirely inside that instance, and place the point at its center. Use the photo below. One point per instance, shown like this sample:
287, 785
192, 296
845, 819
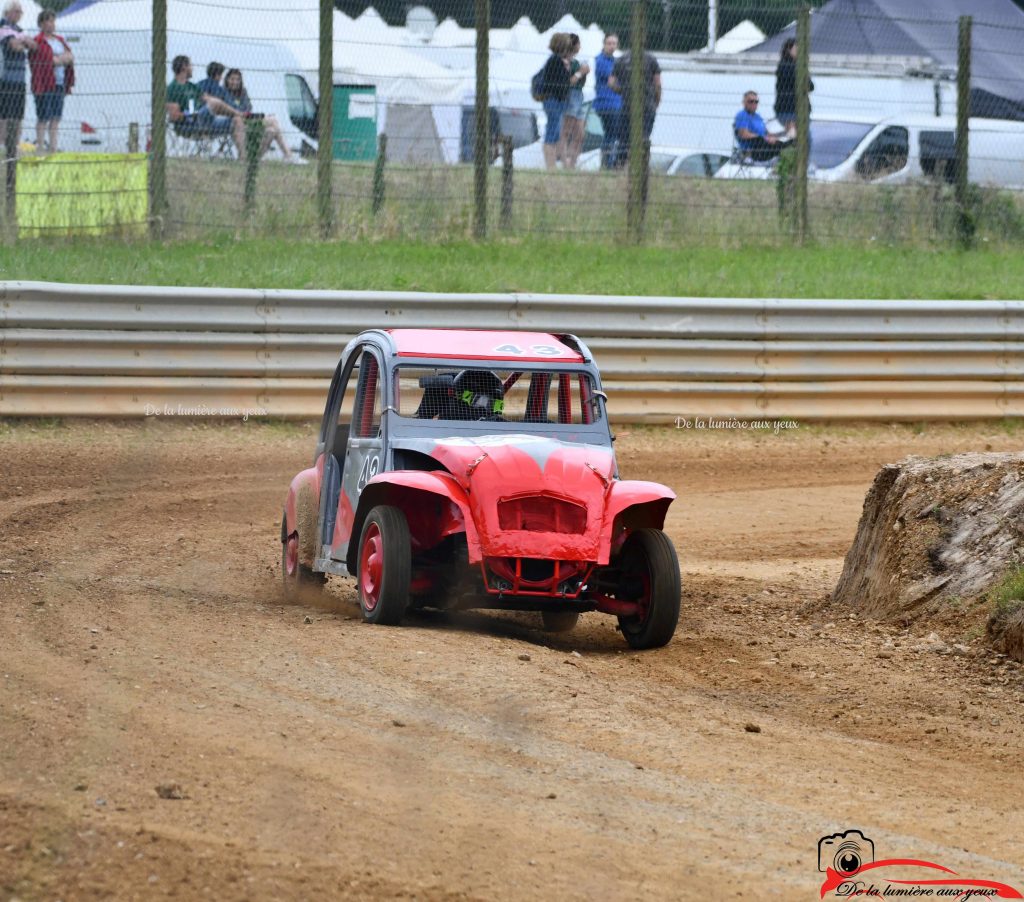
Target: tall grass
436, 203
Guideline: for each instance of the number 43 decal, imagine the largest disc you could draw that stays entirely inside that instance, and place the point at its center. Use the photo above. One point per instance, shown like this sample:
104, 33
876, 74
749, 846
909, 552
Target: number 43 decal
542, 350
367, 471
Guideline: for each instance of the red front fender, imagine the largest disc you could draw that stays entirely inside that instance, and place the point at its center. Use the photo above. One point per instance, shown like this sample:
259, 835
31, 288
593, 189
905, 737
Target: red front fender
433, 502
301, 508
632, 505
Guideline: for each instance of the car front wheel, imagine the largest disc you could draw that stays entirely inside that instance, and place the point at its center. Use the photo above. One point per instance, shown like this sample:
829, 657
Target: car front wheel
650, 577
385, 566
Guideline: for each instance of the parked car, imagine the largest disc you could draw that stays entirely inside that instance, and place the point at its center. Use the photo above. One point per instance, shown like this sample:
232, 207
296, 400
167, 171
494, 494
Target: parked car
901, 149
684, 161
462, 469
518, 124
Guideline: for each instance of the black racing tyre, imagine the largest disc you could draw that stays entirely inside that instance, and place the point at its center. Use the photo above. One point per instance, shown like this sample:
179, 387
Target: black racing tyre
650, 577
384, 566
560, 621
299, 581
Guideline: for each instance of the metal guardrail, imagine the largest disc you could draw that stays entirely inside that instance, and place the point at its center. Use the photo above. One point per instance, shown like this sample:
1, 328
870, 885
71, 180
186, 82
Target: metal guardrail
114, 350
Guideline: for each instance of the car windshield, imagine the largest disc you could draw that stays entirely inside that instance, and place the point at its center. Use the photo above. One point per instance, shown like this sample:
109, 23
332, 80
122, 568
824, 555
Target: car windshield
513, 396
832, 142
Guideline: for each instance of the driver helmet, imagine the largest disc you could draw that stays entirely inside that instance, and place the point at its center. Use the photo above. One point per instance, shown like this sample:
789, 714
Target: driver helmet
481, 391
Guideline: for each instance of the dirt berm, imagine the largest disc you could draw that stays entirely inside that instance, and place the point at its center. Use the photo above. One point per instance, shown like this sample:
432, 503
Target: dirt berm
941, 542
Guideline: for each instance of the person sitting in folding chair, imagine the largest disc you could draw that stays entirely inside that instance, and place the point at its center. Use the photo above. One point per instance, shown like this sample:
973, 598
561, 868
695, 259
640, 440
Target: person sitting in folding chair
752, 137
195, 114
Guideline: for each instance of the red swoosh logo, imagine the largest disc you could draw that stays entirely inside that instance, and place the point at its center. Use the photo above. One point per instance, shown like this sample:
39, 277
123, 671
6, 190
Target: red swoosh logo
833, 879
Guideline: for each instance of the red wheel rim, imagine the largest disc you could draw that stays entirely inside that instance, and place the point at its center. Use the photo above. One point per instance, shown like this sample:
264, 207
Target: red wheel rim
291, 555
371, 567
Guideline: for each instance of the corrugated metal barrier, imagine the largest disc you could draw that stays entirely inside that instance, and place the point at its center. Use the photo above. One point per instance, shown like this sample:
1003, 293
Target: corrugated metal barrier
98, 350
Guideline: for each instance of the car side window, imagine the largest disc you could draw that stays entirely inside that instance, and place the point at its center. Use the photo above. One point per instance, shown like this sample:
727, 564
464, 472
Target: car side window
938, 155
367, 405
887, 154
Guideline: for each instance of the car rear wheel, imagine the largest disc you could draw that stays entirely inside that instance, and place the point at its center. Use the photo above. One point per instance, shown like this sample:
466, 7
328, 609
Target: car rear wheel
650, 576
560, 621
299, 581
385, 566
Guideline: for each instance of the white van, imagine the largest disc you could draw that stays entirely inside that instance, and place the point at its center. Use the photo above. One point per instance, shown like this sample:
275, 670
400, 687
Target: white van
902, 149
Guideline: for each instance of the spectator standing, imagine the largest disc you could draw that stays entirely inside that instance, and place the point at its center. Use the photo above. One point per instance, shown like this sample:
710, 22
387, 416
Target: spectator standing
785, 86
53, 76
15, 46
619, 81
574, 120
236, 95
556, 95
211, 84
194, 113
608, 104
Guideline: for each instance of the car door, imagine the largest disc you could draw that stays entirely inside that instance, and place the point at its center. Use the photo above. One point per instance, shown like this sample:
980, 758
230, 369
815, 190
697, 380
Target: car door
364, 445
351, 447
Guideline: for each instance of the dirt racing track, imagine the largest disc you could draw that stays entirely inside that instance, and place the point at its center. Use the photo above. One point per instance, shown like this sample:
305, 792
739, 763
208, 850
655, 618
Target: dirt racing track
170, 728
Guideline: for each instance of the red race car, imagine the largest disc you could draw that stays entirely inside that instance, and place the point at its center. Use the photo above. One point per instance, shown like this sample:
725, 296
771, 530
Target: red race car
473, 469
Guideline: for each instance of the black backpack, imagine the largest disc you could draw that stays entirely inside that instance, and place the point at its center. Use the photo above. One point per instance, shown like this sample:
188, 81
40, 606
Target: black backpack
537, 86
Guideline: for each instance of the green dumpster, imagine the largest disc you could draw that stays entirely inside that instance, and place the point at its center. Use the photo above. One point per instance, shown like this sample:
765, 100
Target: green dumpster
355, 122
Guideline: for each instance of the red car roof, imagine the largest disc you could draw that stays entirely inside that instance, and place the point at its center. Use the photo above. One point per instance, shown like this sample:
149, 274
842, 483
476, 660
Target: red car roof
478, 344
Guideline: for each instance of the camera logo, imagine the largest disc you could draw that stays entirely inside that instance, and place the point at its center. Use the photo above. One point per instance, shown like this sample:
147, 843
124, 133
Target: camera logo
846, 853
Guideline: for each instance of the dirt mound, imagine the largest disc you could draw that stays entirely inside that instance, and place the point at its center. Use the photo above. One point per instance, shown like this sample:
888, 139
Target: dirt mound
937, 539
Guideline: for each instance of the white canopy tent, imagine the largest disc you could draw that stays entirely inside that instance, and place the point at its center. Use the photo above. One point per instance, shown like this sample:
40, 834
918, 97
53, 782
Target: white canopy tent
737, 39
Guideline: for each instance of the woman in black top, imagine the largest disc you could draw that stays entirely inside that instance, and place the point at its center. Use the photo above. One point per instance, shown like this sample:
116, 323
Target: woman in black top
556, 94
785, 86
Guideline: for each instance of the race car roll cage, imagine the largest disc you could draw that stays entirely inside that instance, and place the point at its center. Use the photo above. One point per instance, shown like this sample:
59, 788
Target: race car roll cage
393, 425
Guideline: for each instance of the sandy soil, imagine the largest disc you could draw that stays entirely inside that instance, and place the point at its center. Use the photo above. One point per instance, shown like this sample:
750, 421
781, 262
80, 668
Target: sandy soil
143, 641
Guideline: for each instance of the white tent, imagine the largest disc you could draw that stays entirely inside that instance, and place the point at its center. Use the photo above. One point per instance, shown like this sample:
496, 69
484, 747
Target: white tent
742, 37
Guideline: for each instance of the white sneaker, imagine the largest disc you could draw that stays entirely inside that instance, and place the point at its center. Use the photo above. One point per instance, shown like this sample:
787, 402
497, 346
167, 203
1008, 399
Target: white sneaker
296, 160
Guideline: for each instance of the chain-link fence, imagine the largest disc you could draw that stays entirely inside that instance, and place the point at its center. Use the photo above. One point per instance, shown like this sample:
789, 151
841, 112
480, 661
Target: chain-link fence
603, 120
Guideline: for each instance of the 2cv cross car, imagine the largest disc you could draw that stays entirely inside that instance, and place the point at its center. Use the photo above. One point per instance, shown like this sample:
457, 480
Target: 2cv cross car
474, 469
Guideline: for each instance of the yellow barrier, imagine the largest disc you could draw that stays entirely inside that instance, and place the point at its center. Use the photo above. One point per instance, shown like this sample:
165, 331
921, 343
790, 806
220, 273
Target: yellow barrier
82, 194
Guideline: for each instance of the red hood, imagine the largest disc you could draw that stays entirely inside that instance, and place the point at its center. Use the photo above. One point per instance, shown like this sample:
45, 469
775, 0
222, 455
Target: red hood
497, 468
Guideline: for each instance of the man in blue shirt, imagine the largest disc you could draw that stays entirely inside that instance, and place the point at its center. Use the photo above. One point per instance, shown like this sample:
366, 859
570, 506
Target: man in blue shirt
752, 133
211, 84
608, 105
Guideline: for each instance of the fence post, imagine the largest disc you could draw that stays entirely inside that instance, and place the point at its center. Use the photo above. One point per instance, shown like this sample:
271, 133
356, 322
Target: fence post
803, 120
133, 137
11, 182
325, 118
964, 216
482, 142
637, 88
253, 141
505, 219
378, 175
158, 118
